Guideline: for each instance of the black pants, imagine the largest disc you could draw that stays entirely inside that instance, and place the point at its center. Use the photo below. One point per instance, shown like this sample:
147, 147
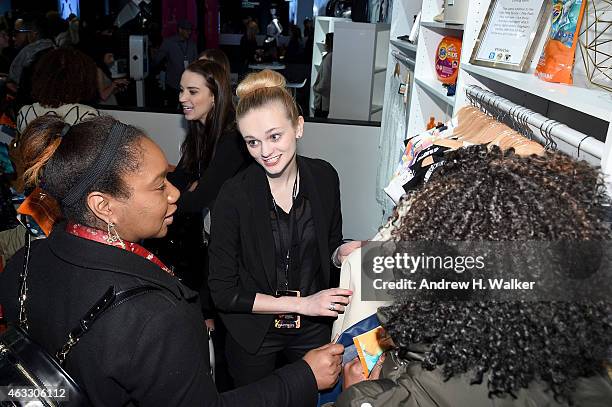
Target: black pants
247, 368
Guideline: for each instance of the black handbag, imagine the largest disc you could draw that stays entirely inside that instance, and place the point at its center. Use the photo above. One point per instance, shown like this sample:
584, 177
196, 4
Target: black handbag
28, 372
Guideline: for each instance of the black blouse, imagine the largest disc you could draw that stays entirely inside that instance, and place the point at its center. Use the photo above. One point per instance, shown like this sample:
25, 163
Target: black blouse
305, 263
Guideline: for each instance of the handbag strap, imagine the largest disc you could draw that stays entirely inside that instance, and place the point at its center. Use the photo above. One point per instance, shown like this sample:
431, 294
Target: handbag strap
108, 301
23, 288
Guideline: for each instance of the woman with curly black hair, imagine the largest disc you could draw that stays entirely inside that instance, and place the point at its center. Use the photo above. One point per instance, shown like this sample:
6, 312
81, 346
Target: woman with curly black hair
63, 84
488, 353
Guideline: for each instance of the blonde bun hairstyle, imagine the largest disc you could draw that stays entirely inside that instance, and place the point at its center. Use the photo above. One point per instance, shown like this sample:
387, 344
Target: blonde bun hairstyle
264, 87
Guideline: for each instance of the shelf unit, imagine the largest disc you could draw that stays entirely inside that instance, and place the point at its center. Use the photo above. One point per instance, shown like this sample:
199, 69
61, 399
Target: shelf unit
404, 46
581, 106
447, 26
360, 57
394, 113
322, 26
593, 102
429, 96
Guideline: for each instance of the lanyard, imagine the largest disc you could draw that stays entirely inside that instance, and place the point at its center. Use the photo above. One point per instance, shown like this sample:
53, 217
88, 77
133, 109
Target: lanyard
291, 223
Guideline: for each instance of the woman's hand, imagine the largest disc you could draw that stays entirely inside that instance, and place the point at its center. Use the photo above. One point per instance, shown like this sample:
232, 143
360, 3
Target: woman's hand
325, 303
348, 248
119, 85
353, 373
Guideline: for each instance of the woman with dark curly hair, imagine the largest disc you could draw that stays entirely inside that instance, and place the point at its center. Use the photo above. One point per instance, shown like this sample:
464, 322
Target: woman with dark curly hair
488, 353
64, 81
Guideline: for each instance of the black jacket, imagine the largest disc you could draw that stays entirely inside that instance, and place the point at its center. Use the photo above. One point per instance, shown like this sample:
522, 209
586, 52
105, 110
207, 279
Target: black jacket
152, 350
230, 157
241, 251
404, 383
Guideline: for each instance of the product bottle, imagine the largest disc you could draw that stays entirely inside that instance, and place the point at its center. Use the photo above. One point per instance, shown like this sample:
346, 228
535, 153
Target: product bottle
432, 123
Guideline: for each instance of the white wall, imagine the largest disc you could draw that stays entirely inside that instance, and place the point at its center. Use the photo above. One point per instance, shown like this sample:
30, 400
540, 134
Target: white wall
352, 150
166, 129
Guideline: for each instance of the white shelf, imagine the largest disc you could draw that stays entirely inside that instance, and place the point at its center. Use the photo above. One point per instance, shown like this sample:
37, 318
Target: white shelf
447, 26
436, 89
594, 102
361, 53
404, 46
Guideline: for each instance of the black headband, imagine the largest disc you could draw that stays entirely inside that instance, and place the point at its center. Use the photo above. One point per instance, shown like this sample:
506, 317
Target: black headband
99, 166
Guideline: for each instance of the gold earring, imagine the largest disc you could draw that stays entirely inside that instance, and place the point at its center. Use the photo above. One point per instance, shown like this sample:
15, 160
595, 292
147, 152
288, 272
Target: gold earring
113, 237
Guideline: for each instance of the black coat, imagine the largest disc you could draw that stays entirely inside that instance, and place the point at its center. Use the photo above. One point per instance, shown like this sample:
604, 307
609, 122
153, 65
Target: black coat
183, 247
152, 350
241, 251
230, 157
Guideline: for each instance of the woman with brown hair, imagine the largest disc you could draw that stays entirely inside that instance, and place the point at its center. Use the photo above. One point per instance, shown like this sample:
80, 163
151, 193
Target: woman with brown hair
110, 181
64, 82
212, 152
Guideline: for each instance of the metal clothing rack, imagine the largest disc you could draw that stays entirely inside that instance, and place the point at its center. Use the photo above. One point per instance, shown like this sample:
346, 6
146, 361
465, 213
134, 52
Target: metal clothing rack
403, 59
525, 121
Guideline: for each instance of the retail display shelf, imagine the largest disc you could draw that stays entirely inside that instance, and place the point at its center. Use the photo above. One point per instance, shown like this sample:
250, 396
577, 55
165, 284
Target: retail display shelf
594, 102
404, 46
436, 89
448, 26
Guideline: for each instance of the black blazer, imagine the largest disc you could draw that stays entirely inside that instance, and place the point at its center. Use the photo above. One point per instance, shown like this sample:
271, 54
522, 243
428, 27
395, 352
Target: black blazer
230, 157
152, 350
241, 251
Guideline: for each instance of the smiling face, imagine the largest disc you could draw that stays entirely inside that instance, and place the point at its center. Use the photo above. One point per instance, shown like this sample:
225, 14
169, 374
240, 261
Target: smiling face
271, 137
195, 97
152, 202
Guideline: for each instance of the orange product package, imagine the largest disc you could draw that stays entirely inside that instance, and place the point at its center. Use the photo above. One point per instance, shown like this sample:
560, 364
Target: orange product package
557, 60
447, 60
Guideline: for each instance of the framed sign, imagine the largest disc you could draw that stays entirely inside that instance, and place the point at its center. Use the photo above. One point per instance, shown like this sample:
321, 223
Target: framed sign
508, 34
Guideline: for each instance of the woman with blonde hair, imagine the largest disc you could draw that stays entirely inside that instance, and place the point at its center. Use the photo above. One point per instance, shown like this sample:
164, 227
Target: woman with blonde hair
276, 227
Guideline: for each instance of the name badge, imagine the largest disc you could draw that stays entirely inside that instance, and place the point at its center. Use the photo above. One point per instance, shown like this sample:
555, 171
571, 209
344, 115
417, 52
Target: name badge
287, 321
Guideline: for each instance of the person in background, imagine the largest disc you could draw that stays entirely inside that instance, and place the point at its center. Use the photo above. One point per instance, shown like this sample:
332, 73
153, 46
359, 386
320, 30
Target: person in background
65, 82
248, 45
322, 85
69, 35
479, 352
211, 153
276, 239
218, 56
177, 52
110, 181
308, 41
5, 61
107, 86
34, 34
21, 37
295, 47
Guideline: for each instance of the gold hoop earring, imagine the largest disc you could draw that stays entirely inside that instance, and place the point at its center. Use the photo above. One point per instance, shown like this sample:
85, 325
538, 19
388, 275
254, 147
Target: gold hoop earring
113, 237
